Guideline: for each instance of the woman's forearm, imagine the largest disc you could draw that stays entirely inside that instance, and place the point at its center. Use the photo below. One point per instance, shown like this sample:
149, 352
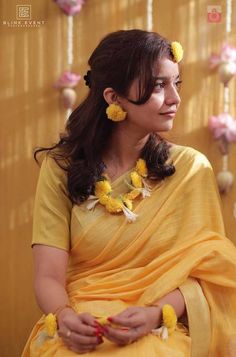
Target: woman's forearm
50, 294
176, 299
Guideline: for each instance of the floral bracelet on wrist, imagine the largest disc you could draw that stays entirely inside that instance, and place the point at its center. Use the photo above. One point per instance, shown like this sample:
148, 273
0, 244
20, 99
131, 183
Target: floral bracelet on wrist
169, 321
51, 320
50, 324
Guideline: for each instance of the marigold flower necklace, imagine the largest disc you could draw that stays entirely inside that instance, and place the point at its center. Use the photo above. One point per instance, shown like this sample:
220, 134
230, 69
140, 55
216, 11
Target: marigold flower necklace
124, 202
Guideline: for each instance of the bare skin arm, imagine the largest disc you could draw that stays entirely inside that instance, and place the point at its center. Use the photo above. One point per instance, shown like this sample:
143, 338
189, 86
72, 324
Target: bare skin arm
174, 298
50, 266
50, 274
78, 331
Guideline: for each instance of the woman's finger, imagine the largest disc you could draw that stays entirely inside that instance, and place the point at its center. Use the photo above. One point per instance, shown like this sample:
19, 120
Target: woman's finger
119, 336
78, 326
88, 319
80, 338
83, 340
86, 330
132, 321
130, 311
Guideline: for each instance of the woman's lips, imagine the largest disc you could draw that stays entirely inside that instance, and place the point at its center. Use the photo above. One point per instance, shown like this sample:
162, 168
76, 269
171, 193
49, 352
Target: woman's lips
169, 114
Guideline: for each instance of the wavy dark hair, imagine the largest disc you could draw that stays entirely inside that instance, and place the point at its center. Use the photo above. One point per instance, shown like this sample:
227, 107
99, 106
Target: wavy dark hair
119, 59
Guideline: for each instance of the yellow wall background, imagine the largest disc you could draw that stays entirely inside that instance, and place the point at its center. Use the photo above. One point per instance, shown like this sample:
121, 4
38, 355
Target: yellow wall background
31, 60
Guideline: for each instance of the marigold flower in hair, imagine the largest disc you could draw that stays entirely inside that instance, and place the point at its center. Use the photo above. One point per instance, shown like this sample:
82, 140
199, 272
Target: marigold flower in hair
177, 51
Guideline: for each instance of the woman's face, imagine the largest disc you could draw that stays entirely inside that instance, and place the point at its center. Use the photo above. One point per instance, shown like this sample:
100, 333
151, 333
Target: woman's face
157, 114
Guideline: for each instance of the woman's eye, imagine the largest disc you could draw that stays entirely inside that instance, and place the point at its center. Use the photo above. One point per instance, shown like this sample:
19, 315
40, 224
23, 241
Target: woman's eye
160, 85
178, 84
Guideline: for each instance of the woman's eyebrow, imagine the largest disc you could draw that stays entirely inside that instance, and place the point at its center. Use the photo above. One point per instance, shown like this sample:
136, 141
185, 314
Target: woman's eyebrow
166, 78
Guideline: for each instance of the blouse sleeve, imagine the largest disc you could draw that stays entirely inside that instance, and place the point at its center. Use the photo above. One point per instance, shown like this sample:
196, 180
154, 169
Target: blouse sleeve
52, 209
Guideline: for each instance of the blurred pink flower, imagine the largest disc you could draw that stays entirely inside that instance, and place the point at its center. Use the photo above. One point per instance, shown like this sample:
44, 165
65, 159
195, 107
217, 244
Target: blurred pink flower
67, 80
227, 54
70, 7
223, 126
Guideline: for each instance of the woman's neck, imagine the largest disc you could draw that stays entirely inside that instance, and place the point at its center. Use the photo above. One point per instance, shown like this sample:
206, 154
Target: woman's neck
122, 152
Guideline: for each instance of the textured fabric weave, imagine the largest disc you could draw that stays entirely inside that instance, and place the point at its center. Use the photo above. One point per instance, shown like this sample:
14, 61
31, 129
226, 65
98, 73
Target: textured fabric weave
178, 239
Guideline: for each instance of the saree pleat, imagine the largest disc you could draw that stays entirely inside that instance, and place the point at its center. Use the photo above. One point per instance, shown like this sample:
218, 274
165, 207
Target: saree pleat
177, 242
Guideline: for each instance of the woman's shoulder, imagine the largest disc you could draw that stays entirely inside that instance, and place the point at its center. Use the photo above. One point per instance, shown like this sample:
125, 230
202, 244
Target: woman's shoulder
188, 155
54, 168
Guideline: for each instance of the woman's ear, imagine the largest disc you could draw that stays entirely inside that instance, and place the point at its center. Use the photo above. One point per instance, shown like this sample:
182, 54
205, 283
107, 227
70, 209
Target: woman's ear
110, 96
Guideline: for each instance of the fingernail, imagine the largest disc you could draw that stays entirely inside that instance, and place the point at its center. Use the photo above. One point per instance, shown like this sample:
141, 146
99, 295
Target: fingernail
100, 340
97, 331
105, 329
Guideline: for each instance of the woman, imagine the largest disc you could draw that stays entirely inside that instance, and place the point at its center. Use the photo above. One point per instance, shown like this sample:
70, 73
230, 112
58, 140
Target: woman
126, 224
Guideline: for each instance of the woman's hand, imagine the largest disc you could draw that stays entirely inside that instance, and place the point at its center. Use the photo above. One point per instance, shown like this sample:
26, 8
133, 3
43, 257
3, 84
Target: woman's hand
78, 331
133, 323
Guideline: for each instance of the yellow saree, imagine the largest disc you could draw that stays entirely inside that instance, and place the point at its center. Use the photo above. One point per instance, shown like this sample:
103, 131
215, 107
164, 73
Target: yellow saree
177, 242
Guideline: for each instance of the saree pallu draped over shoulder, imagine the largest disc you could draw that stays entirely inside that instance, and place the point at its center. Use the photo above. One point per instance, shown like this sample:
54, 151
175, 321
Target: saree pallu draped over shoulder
177, 242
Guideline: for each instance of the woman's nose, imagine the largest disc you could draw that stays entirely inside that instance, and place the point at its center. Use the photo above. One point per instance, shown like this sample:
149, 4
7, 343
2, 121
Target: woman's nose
172, 96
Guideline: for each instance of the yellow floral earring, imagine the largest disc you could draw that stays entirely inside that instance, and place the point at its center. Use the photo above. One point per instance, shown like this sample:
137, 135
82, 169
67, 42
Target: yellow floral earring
115, 112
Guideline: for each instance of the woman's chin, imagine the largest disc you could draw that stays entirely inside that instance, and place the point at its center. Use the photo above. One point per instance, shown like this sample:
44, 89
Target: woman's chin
166, 127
